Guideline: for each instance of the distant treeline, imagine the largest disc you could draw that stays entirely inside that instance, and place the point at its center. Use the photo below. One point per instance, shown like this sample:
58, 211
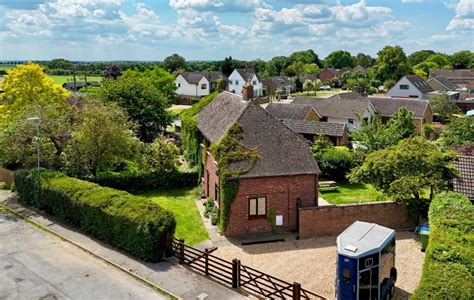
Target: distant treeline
298, 63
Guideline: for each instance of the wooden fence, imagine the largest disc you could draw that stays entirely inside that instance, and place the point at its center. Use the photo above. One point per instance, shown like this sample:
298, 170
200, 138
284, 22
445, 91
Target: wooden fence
7, 176
238, 276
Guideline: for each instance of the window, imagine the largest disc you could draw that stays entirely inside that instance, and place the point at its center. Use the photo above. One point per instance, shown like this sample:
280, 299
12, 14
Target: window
231, 82
254, 82
203, 86
257, 206
323, 119
179, 84
346, 276
404, 86
236, 82
351, 121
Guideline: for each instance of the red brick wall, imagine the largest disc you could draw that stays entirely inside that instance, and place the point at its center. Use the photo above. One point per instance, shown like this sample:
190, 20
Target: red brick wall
210, 165
332, 220
325, 76
282, 194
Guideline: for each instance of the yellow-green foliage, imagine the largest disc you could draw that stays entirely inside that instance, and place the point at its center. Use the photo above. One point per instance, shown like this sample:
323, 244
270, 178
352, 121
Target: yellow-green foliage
227, 151
25, 85
448, 270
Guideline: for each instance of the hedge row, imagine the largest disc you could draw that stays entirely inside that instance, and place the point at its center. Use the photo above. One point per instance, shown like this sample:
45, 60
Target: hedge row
128, 222
147, 181
448, 270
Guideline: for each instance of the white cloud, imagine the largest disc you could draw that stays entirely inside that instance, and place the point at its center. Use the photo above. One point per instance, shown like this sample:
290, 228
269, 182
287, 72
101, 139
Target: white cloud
217, 5
464, 17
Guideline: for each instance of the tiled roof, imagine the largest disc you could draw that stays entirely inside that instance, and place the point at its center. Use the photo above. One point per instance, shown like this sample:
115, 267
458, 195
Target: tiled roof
247, 74
312, 127
336, 108
281, 151
388, 106
289, 111
280, 81
360, 68
192, 77
457, 73
465, 183
214, 76
419, 83
346, 95
443, 81
310, 77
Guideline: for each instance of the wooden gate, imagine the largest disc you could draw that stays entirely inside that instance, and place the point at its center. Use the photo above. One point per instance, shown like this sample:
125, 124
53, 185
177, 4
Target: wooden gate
7, 176
238, 276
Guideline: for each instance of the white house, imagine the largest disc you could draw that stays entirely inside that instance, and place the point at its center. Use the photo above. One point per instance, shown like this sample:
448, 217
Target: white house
197, 84
240, 77
410, 86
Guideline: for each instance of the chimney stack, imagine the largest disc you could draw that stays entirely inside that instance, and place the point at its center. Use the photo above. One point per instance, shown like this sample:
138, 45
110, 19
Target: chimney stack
247, 92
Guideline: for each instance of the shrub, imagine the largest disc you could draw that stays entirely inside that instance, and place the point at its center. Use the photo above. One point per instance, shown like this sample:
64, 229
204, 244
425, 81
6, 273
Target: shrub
3, 186
335, 162
133, 182
448, 270
210, 207
128, 222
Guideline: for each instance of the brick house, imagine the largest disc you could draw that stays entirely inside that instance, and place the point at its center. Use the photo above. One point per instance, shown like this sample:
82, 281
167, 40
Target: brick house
306, 120
421, 109
326, 74
283, 178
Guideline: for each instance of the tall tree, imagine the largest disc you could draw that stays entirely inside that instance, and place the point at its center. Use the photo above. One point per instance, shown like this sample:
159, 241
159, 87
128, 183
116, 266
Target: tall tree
419, 56
441, 60
339, 59
174, 62
112, 71
391, 64
306, 57
363, 60
463, 60
27, 85
145, 104
443, 108
104, 137
402, 124
458, 132
277, 64
405, 170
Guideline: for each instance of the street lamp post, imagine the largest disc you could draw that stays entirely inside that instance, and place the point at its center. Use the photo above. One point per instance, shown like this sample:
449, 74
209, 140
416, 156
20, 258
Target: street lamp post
37, 122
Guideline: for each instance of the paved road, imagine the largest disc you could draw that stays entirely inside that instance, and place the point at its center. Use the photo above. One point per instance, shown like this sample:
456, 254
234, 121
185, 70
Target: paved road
36, 265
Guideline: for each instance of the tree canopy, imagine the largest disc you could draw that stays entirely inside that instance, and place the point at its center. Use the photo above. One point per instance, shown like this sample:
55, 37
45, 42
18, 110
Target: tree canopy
404, 171
145, 104
174, 62
339, 59
391, 64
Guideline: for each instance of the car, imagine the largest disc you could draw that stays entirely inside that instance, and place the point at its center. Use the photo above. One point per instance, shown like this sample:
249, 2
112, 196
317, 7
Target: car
325, 88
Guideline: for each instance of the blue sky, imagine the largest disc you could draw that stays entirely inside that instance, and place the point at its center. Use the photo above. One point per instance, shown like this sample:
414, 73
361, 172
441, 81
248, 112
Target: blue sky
214, 29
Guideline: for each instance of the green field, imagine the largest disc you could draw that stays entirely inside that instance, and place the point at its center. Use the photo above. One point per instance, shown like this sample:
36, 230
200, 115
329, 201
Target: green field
348, 193
60, 79
181, 202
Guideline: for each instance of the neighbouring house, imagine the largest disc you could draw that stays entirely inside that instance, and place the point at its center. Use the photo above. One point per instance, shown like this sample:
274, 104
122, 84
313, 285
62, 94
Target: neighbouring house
326, 74
421, 109
282, 85
464, 184
78, 85
359, 68
441, 84
198, 84
341, 110
305, 120
307, 77
461, 78
239, 77
410, 86
282, 178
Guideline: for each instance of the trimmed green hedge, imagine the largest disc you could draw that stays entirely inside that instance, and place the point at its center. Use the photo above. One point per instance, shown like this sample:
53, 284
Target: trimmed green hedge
147, 181
128, 222
448, 270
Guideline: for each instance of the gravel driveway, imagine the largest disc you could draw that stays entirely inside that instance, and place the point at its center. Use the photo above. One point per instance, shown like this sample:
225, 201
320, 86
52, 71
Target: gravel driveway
312, 262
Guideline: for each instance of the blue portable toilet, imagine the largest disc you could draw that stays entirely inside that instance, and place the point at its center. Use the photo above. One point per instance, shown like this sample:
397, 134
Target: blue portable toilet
366, 262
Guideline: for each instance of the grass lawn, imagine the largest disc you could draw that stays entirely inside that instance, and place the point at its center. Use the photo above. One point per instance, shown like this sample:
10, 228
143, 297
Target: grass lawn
60, 79
181, 202
319, 93
348, 193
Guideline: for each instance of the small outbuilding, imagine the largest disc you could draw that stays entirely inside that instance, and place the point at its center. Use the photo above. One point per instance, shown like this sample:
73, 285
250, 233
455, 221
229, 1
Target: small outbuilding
366, 262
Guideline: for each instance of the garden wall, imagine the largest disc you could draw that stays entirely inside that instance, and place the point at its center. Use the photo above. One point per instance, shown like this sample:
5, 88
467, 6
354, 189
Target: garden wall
331, 220
7, 176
